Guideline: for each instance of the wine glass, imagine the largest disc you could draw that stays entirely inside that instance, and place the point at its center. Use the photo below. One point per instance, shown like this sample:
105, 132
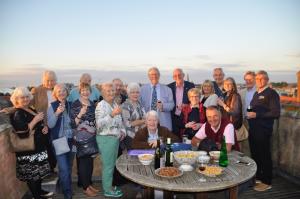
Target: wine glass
202, 167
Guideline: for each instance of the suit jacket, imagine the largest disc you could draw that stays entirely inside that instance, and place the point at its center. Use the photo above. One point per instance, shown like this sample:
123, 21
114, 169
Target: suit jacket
140, 141
186, 87
167, 100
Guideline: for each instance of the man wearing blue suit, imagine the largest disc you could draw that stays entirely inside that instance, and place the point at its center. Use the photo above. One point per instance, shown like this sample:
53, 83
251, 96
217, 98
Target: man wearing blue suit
179, 89
158, 97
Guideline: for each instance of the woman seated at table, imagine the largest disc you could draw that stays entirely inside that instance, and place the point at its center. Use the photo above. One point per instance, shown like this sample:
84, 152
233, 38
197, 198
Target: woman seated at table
193, 114
146, 138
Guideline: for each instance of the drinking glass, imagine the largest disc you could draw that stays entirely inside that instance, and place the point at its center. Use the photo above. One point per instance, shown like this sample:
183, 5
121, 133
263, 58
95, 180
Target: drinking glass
202, 166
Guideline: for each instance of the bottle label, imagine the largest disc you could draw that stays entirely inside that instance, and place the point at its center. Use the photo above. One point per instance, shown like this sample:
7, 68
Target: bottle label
171, 157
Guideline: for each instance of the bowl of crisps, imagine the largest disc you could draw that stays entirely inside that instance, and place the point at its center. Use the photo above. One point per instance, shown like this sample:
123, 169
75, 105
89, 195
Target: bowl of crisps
146, 159
210, 171
186, 159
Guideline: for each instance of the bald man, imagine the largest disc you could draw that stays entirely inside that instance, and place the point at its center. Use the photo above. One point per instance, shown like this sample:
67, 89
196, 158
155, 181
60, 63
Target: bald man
87, 79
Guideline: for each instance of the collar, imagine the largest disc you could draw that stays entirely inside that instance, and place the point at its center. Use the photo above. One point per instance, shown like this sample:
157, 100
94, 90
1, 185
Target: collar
216, 129
261, 90
252, 89
179, 86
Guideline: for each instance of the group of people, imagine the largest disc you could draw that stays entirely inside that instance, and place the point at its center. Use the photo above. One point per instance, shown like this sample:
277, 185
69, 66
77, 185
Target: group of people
120, 118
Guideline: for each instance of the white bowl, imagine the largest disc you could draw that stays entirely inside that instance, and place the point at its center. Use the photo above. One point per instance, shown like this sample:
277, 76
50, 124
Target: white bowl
146, 158
215, 155
186, 157
203, 159
201, 153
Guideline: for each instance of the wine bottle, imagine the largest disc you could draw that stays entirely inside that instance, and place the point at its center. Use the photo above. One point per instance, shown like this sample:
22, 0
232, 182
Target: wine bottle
249, 109
157, 155
168, 154
223, 160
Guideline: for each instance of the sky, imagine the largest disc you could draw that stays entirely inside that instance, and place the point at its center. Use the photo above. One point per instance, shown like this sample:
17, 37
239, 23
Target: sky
124, 38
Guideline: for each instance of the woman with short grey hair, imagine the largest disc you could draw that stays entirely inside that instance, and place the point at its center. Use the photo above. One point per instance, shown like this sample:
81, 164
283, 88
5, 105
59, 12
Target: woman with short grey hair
132, 113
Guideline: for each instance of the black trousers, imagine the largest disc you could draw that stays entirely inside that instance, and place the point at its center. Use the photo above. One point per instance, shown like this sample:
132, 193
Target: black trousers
118, 179
177, 125
51, 154
260, 147
85, 171
35, 188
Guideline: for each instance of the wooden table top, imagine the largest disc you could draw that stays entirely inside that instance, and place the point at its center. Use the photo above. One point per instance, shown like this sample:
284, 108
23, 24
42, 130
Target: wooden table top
233, 175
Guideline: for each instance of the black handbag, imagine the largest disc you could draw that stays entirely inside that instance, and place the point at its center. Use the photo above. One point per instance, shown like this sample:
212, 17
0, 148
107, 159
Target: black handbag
87, 147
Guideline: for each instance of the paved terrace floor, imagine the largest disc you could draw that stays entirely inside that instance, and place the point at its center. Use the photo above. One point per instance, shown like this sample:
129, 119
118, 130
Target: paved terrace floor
282, 189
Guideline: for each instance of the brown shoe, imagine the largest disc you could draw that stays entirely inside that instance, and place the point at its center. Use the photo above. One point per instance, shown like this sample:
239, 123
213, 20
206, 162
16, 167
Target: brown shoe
89, 193
94, 189
262, 187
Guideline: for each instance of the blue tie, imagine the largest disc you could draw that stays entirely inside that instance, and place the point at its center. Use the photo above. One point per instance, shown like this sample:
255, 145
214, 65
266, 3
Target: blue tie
154, 99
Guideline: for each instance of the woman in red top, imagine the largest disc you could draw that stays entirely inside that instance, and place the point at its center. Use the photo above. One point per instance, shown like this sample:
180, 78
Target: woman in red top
193, 114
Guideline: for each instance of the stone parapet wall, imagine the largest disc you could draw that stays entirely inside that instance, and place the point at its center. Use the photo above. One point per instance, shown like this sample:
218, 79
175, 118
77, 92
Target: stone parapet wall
286, 141
11, 187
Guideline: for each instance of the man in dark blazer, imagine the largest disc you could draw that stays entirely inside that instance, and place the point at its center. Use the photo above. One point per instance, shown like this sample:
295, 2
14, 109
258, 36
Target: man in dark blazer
179, 89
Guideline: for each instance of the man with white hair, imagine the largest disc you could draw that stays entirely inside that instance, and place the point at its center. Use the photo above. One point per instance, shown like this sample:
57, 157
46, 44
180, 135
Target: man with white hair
179, 89
218, 76
42, 98
158, 97
146, 138
87, 79
265, 106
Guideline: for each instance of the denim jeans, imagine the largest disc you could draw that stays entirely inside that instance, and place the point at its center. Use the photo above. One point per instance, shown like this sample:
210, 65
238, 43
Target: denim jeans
65, 173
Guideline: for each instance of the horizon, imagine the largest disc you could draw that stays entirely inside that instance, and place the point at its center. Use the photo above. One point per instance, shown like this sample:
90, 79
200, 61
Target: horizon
123, 39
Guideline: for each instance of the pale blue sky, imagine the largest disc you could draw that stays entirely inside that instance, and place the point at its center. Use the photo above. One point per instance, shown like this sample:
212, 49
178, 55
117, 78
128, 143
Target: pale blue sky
124, 38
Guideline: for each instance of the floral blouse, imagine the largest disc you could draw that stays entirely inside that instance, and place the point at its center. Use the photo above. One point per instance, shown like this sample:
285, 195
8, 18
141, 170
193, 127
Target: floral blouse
105, 124
132, 112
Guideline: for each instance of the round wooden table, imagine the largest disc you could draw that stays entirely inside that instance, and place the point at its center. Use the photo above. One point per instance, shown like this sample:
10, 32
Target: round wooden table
232, 176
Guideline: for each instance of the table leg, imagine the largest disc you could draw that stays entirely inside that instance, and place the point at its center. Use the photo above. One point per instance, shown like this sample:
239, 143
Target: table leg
148, 193
201, 195
233, 192
168, 195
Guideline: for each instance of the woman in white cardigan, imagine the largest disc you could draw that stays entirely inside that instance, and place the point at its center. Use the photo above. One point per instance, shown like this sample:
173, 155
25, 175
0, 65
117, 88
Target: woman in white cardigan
208, 96
110, 130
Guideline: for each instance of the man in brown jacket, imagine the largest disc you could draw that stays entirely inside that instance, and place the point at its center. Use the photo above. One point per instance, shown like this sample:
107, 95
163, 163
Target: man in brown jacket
146, 138
42, 97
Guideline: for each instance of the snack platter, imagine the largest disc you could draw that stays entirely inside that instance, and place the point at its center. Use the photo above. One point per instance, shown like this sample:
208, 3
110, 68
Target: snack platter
211, 171
168, 172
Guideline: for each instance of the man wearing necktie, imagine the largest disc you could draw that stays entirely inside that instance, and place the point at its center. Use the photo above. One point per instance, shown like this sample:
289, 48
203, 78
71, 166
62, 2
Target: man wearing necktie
158, 97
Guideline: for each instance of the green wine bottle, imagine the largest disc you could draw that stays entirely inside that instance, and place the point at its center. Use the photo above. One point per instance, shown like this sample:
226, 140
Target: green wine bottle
223, 160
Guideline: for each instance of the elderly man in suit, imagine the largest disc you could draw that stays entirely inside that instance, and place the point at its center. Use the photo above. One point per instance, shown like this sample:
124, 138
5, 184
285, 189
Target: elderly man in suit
158, 97
218, 76
179, 89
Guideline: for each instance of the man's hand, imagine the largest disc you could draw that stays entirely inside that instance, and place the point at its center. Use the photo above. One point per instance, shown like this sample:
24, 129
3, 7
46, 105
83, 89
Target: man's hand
153, 144
251, 115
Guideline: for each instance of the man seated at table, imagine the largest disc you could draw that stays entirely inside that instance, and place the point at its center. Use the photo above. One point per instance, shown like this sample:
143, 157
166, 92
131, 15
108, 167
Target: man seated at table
146, 138
215, 128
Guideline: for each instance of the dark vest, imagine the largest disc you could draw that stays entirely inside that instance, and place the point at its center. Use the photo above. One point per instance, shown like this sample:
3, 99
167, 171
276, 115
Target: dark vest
217, 137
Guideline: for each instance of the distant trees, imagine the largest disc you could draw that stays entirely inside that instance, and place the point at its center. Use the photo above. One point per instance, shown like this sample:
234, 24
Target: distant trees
279, 84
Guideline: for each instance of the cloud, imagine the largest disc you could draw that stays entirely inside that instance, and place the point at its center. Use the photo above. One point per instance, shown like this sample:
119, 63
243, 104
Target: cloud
203, 57
296, 55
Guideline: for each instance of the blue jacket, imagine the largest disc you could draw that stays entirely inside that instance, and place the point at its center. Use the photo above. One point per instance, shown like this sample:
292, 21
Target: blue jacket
54, 131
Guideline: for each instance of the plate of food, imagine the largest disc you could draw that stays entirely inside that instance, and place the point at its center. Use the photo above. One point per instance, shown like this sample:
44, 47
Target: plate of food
168, 172
211, 171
